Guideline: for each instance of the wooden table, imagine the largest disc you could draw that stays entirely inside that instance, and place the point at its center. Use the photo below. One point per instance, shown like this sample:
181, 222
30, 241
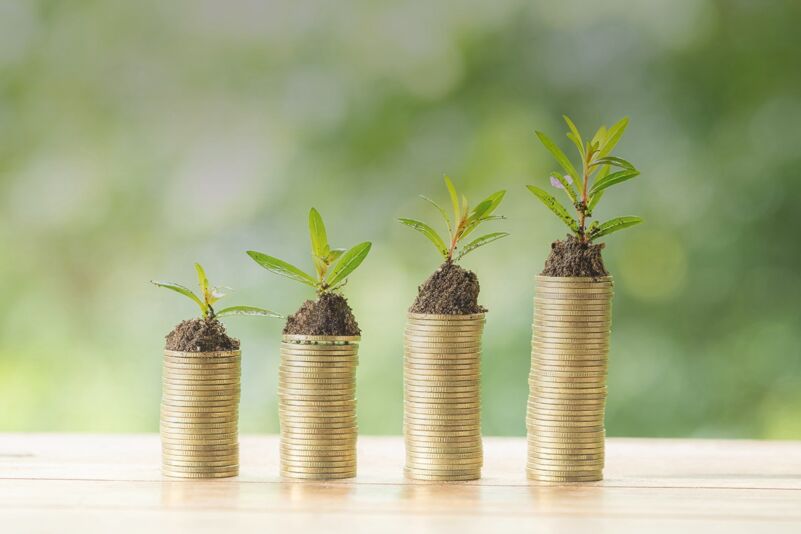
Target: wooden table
111, 483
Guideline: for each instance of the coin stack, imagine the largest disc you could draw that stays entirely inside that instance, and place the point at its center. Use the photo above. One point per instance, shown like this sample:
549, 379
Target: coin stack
442, 412
569, 352
199, 414
317, 406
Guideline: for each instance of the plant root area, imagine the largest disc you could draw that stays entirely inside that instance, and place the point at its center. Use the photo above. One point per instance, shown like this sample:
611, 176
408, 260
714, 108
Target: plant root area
200, 335
451, 290
329, 315
572, 257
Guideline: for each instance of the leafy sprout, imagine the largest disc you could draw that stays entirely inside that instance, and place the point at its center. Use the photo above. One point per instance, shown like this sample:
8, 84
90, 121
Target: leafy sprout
332, 265
463, 224
210, 295
586, 187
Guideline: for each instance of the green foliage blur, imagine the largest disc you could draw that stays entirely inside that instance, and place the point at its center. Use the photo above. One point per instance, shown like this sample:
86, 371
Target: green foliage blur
139, 137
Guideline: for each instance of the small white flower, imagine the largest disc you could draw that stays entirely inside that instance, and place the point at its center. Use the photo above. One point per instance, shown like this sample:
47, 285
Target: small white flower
557, 184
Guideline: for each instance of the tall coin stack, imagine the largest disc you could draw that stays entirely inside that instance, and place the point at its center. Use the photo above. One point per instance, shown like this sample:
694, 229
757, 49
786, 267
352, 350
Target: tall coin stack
569, 353
199, 414
442, 412
317, 406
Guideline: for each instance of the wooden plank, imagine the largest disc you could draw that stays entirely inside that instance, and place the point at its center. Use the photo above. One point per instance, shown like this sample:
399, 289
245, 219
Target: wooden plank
92, 482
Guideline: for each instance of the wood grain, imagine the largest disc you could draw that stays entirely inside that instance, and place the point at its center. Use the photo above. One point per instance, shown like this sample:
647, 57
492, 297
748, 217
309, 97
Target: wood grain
88, 483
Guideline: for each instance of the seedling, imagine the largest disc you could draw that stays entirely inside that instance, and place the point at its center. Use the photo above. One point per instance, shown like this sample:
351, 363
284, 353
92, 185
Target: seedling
463, 224
210, 295
332, 266
593, 180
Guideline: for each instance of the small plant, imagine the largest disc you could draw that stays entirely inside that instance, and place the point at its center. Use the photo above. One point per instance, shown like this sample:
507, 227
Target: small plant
592, 181
209, 296
332, 266
464, 223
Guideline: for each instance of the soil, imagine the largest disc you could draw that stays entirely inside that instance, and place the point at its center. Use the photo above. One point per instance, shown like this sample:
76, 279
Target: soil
200, 335
329, 315
451, 290
571, 257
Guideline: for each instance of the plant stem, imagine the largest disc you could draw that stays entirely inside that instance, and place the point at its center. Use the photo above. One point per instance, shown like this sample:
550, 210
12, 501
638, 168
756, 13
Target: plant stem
582, 208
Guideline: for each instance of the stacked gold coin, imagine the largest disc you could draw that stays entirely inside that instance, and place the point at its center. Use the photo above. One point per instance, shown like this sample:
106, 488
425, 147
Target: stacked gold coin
317, 406
569, 352
442, 412
199, 414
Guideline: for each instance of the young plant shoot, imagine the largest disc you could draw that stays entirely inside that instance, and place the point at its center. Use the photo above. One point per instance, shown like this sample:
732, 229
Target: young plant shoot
330, 314
206, 333
451, 289
584, 186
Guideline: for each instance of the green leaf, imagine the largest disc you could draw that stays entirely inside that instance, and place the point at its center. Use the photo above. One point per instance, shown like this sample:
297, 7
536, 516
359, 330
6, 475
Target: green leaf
612, 179
552, 204
481, 241
611, 160
441, 211
334, 254
454, 200
429, 232
178, 288
613, 225
488, 205
567, 186
614, 135
599, 137
319, 239
560, 157
348, 263
247, 310
575, 136
594, 199
281, 267
203, 282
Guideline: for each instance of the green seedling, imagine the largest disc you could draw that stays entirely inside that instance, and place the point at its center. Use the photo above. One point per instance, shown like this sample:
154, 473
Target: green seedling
586, 188
211, 295
463, 224
332, 265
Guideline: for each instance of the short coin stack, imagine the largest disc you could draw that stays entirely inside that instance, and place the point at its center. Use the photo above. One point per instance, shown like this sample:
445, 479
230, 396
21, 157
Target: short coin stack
569, 352
317, 406
442, 412
199, 414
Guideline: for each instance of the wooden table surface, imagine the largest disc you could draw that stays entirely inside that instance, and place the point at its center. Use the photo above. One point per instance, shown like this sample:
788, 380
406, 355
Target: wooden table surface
111, 483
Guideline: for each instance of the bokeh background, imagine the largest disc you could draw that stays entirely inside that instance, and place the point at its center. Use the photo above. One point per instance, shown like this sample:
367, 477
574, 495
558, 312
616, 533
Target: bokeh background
139, 137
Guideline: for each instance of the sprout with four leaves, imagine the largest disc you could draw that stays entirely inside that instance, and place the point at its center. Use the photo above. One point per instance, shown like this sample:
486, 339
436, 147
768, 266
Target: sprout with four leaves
209, 296
592, 181
332, 266
463, 224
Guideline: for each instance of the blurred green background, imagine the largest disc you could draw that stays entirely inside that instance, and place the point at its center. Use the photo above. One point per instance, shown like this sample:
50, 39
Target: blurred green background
139, 137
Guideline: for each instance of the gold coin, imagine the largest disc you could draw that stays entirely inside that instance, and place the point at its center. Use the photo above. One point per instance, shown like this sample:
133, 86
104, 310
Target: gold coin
442, 449
473, 371
423, 435
565, 448
443, 368
300, 339
541, 477
572, 312
224, 474
318, 390
200, 449
200, 375
536, 425
190, 402
413, 396
445, 317
180, 463
322, 476
320, 351
474, 321
565, 465
432, 414
329, 448
198, 469
321, 382
572, 329
175, 441
201, 453
443, 478
309, 426
418, 471
181, 426
336, 373
437, 405
442, 426
465, 340
470, 328
201, 361
450, 477
341, 404
603, 286
293, 470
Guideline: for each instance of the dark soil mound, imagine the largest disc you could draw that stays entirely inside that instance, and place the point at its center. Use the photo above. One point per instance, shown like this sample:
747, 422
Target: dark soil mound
450, 290
329, 315
571, 257
200, 335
